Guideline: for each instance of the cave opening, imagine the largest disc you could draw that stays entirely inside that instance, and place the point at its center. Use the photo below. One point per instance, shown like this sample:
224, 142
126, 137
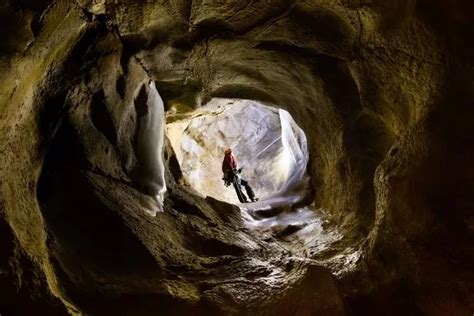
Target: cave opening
273, 152
269, 146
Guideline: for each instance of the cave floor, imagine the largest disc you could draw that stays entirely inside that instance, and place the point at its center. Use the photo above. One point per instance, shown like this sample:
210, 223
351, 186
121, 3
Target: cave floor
305, 232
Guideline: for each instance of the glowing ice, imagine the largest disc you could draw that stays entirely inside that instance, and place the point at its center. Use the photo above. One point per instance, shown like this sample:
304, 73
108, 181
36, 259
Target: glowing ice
150, 149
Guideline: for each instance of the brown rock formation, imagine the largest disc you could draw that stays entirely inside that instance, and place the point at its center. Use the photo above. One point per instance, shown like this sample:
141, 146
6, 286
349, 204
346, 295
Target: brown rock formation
382, 91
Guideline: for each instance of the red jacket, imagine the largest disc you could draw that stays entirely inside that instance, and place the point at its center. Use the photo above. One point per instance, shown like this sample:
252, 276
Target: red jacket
229, 163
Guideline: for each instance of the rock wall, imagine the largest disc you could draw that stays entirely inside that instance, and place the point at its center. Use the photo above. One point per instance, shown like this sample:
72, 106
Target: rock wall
383, 92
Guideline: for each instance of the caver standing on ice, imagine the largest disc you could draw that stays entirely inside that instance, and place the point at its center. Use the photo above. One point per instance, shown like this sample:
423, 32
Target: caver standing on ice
229, 168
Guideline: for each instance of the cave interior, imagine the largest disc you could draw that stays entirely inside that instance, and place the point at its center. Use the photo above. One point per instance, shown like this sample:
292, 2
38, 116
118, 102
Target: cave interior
351, 120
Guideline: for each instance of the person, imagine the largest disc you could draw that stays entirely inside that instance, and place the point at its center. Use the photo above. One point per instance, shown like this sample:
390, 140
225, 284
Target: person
229, 168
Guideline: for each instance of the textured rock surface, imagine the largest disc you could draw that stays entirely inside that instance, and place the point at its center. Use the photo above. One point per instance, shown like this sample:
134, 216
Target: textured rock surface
383, 92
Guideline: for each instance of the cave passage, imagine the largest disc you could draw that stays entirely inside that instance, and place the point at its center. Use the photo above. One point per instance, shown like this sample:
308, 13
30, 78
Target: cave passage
271, 148
268, 145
